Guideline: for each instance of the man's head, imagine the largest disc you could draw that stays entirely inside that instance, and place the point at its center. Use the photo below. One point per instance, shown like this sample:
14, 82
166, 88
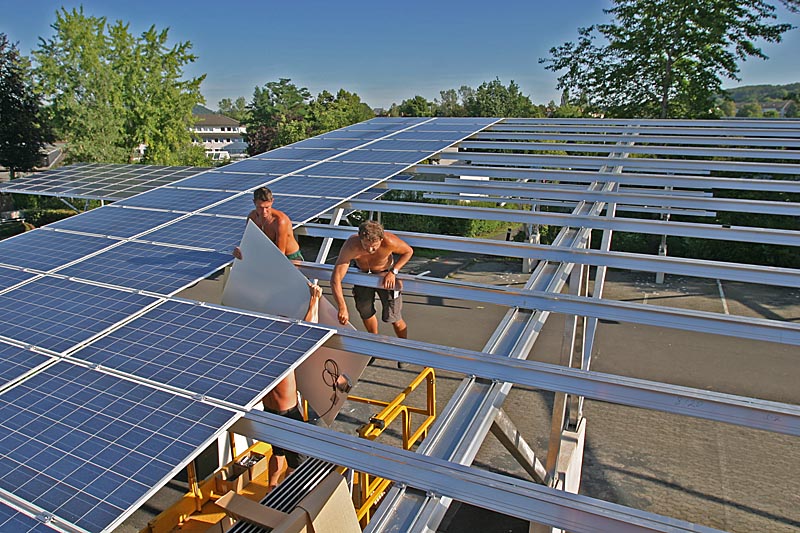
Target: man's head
370, 233
262, 199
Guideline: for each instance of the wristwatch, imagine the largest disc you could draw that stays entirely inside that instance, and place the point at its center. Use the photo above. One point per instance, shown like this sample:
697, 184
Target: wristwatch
395, 271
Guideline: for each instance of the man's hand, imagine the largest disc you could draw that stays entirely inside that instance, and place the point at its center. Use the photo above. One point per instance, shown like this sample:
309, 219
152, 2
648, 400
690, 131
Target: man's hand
391, 282
316, 291
237, 252
344, 316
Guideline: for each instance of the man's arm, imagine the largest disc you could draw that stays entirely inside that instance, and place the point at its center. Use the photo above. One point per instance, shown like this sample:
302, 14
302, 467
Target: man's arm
313, 302
282, 232
346, 254
237, 252
404, 252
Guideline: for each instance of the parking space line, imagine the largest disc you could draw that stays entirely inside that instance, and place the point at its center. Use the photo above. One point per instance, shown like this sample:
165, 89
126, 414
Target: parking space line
722, 297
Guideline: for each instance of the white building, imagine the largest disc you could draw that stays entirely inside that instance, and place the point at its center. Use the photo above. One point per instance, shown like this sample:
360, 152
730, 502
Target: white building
221, 136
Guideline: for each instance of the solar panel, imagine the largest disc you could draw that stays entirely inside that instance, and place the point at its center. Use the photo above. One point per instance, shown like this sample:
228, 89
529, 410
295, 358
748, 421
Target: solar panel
15, 362
149, 267
182, 200
13, 520
338, 169
221, 354
239, 206
199, 231
305, 154
56, 314
385, 156
226, 181
362, 135
301, 209
45, 250
10, 277
324, 142
115, 221
332, 187
265, 166
419, 146
89, 447
444, 136
100, 181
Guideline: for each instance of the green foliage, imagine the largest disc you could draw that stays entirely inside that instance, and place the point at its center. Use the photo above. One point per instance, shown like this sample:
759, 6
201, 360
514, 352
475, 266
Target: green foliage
416, 107
761, 93
664, 58
236, 110
111, 91
282, 113
23, 128
493, 99
751, 110
11, 228
727, 108
42, 217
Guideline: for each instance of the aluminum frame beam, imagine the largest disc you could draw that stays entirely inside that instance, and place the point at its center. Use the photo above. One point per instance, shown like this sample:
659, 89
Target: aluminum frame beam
655, 227
648, 314
784, 277
533, 190
588, 176
638, 164
785, 142
691, 151
500, 493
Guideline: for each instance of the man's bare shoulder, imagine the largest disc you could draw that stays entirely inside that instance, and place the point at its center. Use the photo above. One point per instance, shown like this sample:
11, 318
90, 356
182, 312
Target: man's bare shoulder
393, 242
350, 250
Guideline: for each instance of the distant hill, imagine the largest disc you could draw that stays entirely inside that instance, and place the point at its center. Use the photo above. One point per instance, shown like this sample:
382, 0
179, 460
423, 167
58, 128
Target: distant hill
763, 93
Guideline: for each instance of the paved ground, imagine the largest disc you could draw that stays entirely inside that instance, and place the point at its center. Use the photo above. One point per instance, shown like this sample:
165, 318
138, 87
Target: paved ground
713, 474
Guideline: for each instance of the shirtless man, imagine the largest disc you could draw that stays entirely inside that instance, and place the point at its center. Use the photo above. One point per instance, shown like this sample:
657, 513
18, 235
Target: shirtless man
373, 250
275, 224
282, 400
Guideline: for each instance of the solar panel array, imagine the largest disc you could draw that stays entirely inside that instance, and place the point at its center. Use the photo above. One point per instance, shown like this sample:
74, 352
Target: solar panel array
107, 385
98, 181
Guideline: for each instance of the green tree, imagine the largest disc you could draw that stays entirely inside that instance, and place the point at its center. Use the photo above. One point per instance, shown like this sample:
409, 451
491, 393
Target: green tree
727, 108
416, 107
493, 99
328, 112
450, 104
236, 110
791, 110
751, 110
664, 58
111, 92
23, 129
277, 116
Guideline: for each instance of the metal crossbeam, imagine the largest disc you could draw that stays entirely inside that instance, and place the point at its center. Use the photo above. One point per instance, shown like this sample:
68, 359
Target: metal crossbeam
784, 142
655, 227
785, 277
585, 176
664, 199
691, 151
500, 493
637, 164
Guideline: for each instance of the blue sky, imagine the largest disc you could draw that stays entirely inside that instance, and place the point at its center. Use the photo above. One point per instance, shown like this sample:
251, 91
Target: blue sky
384, 51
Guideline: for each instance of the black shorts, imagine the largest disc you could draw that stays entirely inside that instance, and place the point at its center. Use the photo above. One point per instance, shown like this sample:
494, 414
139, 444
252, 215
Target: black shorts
293, 459
391, 301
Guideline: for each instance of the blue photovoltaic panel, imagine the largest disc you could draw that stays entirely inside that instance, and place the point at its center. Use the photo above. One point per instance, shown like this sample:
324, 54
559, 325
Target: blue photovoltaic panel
89, 447
363, 135
323, 142
115, 221
14, 521
223, 181
56, 314
301, 209
265, 166
239, 206
221, 354
385, 156
306, 154
286, 152
444, 136
377, 171
332, 187
149, 267
183, 200
45, 250
199, 231
414, 146
10, 277
15, 362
